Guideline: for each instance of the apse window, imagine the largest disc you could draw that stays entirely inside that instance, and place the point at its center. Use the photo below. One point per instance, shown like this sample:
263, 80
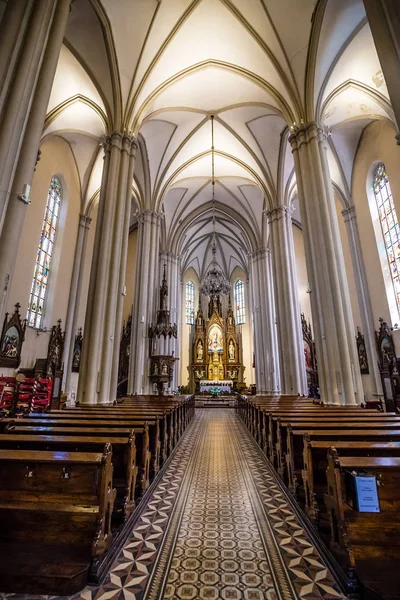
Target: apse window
239, 302
391, 236
40, 281
190, 292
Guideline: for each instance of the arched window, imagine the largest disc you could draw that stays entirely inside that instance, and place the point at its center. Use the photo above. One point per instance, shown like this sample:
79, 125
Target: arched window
47, 239
389, 224
239, 302
190, 291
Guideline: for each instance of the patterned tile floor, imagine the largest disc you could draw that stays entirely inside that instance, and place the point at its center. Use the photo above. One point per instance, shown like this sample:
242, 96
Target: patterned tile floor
218, 525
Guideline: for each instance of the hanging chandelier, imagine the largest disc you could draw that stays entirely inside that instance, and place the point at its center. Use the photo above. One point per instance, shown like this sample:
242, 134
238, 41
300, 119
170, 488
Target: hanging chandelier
214, 283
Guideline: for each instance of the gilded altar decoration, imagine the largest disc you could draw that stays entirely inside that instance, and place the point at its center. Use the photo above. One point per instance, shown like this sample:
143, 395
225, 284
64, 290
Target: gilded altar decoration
216, 348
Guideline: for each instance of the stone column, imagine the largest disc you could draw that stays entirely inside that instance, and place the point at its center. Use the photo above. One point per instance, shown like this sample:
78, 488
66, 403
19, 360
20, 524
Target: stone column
122, 278
339, 377
384, 21
292, 363
15, 208
145, 294
110, 249
42, 39
265, 335
71, 323
364, 300
12, 30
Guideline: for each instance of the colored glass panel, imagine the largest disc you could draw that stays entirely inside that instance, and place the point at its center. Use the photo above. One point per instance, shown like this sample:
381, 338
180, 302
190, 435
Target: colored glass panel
190, 293
240, 303
389, 224
42, 269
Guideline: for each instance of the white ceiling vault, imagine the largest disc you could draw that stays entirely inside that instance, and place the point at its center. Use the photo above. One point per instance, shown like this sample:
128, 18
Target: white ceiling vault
161, 68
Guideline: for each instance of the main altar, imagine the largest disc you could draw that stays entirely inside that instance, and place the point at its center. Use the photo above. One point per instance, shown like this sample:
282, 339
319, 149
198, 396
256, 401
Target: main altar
216, 350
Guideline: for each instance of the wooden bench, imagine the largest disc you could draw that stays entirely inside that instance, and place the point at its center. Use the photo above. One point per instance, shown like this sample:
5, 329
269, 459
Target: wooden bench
143, 454
368, 542
55, 509
315, 463
278, 420
155, 425
295, 444
123, 459
330, 422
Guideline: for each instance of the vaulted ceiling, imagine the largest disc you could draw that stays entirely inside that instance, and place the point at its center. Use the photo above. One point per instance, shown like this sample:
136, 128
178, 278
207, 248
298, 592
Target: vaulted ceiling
161, 68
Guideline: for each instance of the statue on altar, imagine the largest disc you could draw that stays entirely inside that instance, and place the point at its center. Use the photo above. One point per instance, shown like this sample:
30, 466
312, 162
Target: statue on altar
231, 351
200, 351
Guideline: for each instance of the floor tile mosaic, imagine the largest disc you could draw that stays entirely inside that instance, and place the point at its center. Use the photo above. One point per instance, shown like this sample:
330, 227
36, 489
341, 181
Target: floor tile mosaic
218, 525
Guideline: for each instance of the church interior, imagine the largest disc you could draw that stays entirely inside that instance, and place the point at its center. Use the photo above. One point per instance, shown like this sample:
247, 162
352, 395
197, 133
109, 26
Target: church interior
199, 299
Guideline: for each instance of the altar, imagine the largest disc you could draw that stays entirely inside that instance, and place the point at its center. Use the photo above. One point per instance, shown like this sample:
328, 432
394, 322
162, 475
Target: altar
216, 349
221, 385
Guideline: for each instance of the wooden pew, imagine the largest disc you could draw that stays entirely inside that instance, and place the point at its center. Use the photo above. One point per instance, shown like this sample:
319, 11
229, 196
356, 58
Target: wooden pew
82, 419
165, 419
368, 542
315, 463
143, 453
279, 419
331, 422
125, 467
295, 443
55, 516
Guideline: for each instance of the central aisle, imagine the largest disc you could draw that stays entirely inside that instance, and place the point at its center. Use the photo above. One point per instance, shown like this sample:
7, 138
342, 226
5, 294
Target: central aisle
218, 525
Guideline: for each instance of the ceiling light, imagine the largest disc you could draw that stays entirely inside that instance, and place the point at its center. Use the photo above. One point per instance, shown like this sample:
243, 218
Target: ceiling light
214, 283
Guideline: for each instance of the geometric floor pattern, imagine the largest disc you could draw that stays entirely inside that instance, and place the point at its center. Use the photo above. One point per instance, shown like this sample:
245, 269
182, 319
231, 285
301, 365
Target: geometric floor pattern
218, 525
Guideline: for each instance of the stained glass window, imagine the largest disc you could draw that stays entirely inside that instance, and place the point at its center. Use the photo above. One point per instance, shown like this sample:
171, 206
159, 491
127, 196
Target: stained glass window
389, 224
190, 291
239, 302
41, 273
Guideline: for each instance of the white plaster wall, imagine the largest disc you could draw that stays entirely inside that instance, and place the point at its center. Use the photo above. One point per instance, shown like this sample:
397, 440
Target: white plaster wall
56, 159
377, 144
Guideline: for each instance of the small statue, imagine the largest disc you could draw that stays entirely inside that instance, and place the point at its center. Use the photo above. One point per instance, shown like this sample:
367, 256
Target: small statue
200, 351
231, 351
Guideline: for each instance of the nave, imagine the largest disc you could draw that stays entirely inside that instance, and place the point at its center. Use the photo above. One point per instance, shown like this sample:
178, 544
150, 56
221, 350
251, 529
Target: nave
219, 524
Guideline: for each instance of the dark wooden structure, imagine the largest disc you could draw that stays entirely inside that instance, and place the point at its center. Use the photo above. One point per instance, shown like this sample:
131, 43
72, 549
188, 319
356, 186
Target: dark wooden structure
125, 350
317, 450
310, 356
12, 338
63, 519
388, 366
76, 357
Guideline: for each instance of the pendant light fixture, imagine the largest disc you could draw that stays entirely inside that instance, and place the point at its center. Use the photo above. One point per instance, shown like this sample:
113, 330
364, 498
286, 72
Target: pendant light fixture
214, 283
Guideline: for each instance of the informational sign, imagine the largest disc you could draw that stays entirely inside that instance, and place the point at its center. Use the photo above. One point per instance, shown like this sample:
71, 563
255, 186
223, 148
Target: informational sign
366, 494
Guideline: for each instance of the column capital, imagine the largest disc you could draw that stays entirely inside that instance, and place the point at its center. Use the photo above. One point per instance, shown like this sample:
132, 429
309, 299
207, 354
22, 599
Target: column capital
84, 220
277, 213
304, 133
259, 253
169, 255
124, 141
148, 216
349, 213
